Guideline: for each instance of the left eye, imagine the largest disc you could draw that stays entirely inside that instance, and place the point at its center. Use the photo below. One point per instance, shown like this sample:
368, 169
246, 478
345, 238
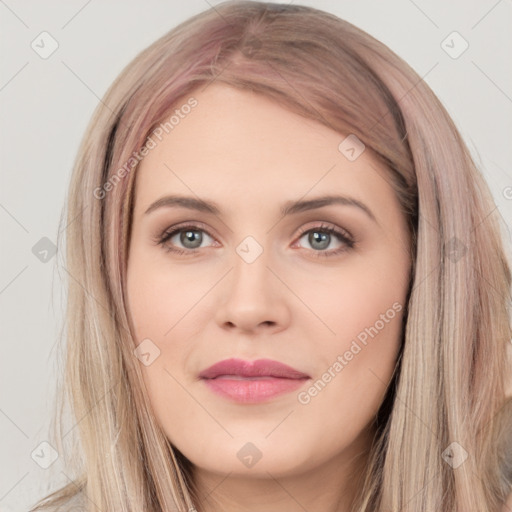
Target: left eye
320, 238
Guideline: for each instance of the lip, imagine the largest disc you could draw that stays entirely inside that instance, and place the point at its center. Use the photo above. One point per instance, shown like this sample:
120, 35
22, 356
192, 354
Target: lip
252, 381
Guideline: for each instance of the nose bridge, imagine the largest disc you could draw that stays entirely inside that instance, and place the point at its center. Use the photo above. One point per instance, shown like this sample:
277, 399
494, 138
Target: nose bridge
250, 265
252, 297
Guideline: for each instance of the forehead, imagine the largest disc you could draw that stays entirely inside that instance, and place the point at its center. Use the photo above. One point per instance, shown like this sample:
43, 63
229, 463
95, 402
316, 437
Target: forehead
239, 145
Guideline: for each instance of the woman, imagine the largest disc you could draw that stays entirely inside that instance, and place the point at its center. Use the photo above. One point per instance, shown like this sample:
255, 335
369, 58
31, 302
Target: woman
289, 289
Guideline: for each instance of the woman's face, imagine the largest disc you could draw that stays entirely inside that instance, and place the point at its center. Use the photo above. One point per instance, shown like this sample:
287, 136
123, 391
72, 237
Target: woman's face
244, 279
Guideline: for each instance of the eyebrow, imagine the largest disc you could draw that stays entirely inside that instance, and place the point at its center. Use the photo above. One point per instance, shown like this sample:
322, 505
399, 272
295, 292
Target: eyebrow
289, 208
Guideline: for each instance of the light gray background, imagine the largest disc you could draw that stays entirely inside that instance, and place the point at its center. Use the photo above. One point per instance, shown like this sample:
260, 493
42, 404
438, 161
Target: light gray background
46, 104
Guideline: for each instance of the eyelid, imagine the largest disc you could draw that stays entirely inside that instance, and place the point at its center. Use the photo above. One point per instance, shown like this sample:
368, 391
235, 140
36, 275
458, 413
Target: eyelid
326, 225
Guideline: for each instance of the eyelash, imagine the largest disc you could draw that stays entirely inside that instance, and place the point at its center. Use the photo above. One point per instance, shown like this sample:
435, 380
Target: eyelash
342, 235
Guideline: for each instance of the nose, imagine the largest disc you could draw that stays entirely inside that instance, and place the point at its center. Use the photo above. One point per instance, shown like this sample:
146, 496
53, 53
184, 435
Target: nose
252, 299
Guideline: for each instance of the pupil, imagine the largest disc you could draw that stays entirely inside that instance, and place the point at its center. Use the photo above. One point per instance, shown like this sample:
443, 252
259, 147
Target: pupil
189, 237
322, 238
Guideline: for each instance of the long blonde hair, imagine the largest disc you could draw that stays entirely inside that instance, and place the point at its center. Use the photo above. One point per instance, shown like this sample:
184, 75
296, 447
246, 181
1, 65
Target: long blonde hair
441, 429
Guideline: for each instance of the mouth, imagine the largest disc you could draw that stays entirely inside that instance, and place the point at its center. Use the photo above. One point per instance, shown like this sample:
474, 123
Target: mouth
241, 377
252, 382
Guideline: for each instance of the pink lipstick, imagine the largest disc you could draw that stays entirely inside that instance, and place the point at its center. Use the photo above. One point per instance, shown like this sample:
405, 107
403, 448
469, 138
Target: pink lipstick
252, 381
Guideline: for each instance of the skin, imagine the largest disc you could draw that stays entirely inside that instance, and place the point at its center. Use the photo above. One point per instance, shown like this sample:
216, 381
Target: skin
249, 155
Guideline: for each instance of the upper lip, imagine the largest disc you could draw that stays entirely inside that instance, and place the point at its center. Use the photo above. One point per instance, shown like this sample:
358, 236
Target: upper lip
258, 368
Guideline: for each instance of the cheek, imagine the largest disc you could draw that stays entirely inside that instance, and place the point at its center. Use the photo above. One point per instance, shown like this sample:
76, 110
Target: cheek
354, 369
363, 307
166, 306
161, 304
365, 293
161, 300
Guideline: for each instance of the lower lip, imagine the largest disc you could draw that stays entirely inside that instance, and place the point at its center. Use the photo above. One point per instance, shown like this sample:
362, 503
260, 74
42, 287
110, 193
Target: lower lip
252, 390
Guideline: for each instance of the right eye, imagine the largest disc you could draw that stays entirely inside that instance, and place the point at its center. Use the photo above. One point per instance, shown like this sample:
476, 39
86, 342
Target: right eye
190, 236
